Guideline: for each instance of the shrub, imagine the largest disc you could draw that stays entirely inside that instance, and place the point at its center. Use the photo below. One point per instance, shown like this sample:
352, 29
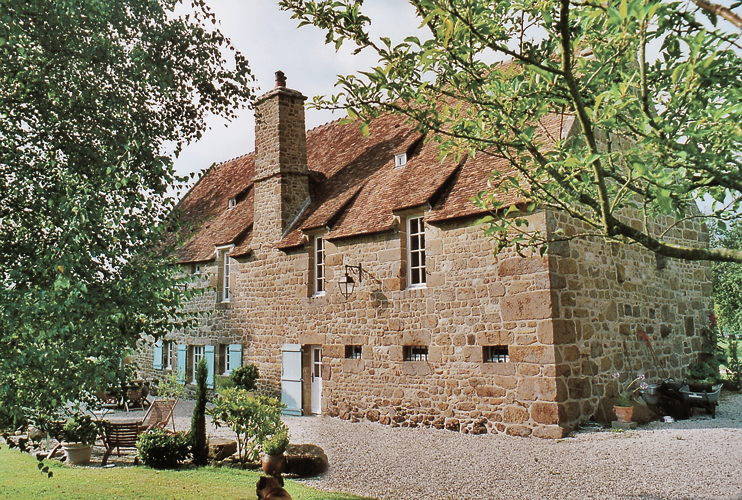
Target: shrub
170, 387
704, 372
161, 450
252, 418
734, 370
244, 377
200, 445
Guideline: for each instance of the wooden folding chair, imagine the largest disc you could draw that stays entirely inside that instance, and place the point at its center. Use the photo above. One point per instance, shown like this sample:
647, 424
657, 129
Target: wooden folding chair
120, 435
159, 413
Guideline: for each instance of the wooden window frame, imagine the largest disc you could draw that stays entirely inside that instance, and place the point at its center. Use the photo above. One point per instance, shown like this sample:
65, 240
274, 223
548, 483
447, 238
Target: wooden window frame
416, 273
320, 283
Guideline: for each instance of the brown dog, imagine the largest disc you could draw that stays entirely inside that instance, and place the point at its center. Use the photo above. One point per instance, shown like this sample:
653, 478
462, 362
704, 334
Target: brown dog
270, 488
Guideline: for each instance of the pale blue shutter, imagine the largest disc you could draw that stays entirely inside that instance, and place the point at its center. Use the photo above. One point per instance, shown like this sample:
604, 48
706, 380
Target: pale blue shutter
210, 366
158, 355
182, 368
291, 379
235, 357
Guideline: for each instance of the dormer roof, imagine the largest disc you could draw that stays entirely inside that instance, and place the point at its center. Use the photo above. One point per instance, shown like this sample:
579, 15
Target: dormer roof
354, 186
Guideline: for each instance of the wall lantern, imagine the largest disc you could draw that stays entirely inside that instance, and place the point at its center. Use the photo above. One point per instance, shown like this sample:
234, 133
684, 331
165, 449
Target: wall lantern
347, 286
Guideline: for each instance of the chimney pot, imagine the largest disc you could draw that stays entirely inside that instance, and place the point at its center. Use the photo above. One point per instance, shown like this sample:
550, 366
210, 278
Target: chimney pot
280, 79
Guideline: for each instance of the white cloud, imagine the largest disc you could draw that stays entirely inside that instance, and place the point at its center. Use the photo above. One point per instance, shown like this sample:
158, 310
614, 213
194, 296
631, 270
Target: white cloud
270, 40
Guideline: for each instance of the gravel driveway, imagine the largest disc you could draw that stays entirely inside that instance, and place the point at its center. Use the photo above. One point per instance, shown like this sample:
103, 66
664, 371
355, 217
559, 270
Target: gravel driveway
698, 458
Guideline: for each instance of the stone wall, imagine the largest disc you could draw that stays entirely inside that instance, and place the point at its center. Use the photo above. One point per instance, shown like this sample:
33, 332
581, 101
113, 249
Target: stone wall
215, 325
616, 304
472, 299
570, 320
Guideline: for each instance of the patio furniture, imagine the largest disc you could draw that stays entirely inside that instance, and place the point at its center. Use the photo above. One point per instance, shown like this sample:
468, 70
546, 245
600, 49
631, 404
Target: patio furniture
120, 435
136, 395
159, 413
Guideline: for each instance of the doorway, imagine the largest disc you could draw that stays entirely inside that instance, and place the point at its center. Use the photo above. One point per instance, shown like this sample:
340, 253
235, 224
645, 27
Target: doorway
316, 379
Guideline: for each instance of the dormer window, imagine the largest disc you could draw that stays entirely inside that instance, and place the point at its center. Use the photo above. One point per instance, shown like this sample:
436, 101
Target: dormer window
232, 203
400, 160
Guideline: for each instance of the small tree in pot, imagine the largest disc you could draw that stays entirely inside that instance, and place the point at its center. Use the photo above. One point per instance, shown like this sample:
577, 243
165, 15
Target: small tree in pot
80, 433
252, 418
273, 459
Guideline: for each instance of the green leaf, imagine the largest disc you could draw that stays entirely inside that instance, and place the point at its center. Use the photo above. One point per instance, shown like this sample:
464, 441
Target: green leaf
364, 128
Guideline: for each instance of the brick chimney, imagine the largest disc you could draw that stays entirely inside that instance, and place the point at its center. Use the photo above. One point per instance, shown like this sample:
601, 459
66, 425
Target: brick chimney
281, 180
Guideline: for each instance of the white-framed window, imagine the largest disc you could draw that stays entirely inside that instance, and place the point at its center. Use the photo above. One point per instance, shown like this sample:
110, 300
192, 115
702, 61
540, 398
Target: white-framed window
232, 203
168, 351
400, 160
319, 266
198, 354
225, 363
415, 353
416, 251
223, 260
196, 269
495, 354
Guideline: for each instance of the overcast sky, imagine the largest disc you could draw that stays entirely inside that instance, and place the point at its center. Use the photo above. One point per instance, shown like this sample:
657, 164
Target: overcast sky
270, 40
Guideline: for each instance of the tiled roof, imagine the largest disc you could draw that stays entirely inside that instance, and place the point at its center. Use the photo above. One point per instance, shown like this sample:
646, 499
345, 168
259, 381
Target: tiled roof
205, 214
354, 186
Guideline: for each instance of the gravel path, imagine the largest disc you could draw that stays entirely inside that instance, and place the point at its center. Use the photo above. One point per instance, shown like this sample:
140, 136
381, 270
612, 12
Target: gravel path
698, 458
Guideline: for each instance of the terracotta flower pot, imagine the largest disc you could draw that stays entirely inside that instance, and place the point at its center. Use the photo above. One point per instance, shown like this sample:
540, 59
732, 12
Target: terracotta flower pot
274, 465
624, 413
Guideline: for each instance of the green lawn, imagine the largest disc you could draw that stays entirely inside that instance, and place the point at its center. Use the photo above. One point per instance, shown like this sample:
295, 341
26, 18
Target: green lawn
20, 479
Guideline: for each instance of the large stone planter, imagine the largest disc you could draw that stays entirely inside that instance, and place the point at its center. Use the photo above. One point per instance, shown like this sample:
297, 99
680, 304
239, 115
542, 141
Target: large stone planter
306, 460
78, 453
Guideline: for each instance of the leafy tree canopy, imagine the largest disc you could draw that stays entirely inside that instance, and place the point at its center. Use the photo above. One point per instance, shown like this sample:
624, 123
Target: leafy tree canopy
653, 87
94, 93
728, 280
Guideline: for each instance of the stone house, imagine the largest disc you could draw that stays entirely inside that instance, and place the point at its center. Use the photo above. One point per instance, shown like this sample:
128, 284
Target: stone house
437, 330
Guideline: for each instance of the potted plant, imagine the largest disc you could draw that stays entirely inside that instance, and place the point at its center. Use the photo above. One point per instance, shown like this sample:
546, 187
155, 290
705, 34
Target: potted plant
80, 433
623, 407
252, 418
701, 376
273, 458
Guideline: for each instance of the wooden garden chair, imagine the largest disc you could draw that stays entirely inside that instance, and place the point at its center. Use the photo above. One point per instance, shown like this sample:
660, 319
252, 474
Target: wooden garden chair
159, 413
120, 435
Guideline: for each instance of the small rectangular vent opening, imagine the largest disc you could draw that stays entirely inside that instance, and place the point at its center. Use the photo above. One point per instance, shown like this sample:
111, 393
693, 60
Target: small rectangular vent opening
495, 354
353, 351
415, 353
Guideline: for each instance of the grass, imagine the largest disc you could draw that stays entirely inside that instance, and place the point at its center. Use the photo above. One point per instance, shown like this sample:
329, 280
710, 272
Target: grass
21, 479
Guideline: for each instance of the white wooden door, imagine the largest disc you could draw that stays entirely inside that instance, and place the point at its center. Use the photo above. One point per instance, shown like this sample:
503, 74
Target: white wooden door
291, 378
316, 389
